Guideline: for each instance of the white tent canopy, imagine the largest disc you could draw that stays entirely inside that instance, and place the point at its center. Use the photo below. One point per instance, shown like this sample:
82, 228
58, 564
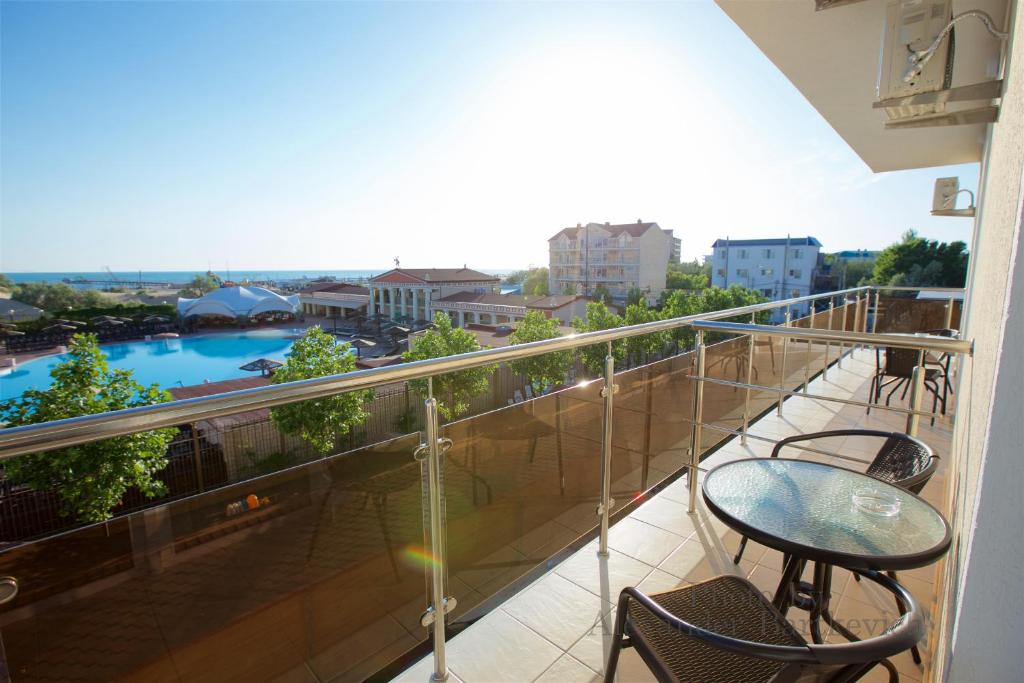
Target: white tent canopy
235, 302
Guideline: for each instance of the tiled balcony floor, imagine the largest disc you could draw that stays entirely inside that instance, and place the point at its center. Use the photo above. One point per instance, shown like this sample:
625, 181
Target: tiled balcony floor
559, 627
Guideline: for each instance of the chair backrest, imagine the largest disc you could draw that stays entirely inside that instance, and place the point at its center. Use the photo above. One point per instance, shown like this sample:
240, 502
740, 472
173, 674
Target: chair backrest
904, 461
900, 362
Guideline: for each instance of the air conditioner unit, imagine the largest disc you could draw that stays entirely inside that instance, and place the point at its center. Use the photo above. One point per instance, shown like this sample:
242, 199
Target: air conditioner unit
910, 27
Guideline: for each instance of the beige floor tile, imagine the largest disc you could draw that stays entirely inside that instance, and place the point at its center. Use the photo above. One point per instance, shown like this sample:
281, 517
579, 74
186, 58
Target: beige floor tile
592, 648
603, 576
568, 669
659, 582
557, 609
642, 541
666, 514
500, 648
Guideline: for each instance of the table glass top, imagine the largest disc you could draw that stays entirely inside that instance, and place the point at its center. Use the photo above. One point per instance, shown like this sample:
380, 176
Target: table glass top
812, 504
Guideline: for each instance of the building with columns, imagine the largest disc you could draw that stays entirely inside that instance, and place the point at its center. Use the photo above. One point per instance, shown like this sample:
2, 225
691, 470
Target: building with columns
334, 299
466, 308
409, 294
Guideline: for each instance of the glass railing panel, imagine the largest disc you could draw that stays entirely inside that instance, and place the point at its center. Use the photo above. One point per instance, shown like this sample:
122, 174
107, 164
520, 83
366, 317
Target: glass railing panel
521, 483
317, 569
651, 427
906, 313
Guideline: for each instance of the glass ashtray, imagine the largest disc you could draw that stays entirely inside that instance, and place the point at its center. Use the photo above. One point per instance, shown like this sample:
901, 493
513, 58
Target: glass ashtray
875, 502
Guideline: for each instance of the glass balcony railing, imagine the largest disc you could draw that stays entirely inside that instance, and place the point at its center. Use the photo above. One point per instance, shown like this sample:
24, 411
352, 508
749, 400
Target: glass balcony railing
336, 565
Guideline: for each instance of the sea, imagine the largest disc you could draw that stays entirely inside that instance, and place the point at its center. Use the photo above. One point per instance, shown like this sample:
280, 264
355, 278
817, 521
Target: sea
173, 278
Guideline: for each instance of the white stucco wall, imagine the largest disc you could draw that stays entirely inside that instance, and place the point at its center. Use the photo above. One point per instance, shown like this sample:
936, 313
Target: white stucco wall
983, 623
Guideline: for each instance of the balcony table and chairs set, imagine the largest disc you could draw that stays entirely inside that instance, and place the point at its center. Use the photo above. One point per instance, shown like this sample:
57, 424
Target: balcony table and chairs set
871, 523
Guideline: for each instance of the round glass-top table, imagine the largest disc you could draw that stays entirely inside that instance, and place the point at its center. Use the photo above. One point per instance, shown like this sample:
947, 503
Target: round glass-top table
807, 509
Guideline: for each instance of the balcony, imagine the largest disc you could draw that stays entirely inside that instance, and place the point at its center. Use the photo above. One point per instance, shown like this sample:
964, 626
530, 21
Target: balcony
327, 577
559, 627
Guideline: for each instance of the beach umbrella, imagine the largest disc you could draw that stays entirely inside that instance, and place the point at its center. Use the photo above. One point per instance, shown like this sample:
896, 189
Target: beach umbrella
11, 333
263, 365
75, 323
399, 331
113, 322
60, 328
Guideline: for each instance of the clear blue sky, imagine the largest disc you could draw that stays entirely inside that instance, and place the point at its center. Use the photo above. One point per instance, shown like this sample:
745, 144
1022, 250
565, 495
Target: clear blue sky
166, 136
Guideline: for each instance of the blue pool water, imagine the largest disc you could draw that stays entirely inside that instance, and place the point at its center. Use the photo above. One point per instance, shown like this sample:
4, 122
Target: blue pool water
168, 362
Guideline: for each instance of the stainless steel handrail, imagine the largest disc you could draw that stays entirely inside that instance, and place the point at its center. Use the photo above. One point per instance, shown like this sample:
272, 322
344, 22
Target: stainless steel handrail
49, 436
899, 340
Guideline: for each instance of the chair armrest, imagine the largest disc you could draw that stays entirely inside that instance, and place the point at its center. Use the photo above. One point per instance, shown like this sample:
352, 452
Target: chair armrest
904, 633
824, 435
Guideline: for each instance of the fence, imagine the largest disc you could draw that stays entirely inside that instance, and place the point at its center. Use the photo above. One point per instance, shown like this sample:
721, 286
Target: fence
327, 574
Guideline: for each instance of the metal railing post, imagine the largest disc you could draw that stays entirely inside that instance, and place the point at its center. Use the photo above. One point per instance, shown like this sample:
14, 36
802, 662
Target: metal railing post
197, 455
785, 352
842, 346
949, 314
874, 318
606, 505
698, 417
807, 357
749, 380
828, 345
856, 317
916, 394
440, 605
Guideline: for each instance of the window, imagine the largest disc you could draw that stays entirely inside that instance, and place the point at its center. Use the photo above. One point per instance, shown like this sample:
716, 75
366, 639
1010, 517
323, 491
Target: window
767, 292
743, 253
721, 272
769, 253
797, 253
767, 272
721, 253
796, 272
794, 293
742, 272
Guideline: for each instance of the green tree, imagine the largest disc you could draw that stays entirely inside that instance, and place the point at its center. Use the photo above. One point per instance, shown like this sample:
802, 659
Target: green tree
568, 290
56, 298
321, 421
634, 296
682, 303
676, 279
640, 349
200, 285
540, 371
919, 262
536, 283
6, 284
454, 390
599, 318
601, 293
91, 478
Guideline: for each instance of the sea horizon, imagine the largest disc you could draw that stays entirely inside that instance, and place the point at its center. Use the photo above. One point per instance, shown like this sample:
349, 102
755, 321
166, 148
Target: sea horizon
130, 278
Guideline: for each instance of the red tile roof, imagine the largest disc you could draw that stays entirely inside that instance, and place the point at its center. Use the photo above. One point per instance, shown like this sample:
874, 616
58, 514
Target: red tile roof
553, 302
484, 298
434, 275
338, 287
633, 229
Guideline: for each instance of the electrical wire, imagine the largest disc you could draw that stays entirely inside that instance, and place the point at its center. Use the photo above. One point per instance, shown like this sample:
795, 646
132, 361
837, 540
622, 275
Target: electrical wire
919, 60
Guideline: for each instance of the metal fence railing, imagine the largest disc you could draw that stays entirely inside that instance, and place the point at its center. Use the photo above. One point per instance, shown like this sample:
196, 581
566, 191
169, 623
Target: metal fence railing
370, 541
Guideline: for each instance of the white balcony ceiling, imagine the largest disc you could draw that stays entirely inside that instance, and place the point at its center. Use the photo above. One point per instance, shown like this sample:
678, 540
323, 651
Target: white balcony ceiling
832, 58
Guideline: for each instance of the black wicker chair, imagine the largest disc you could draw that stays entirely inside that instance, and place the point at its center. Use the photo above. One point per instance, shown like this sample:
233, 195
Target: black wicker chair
901, 460
724, 630
899, 366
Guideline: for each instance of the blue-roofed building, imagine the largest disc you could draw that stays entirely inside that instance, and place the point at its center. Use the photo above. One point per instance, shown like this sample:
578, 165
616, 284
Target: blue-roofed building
778, 267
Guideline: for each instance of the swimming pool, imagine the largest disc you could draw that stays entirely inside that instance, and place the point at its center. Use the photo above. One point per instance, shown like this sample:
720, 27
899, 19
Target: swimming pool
168, 362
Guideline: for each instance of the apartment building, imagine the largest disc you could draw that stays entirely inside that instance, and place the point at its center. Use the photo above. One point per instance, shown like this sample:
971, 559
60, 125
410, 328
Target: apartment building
617, 257
778, 268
